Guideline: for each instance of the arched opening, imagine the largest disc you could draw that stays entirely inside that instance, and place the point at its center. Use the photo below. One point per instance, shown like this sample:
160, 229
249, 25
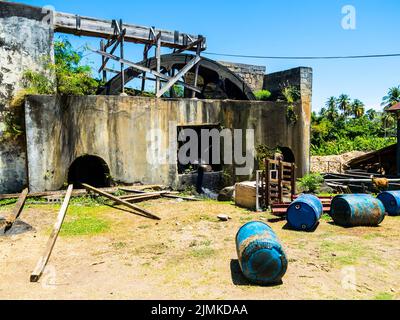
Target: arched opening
91, 170
288, 155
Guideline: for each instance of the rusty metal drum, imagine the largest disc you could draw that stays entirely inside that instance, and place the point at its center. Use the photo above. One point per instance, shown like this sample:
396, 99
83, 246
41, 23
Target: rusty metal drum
261, 255
351, 210
304, 212
391, 201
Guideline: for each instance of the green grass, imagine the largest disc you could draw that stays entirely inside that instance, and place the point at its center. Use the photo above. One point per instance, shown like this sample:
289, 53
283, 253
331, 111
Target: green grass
119, 245
326, 217
82, 221
202, 253
384, 296
342, 253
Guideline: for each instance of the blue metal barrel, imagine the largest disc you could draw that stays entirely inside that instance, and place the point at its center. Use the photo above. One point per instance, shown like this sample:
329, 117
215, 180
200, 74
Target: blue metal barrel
350, 210
304, 212
261, 256
391, 201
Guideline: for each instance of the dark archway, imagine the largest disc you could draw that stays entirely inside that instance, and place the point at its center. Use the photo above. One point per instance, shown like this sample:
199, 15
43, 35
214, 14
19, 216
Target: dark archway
288, 155
89, 169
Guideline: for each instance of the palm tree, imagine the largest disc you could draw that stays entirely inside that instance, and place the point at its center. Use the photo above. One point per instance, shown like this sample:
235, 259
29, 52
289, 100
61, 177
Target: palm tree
371, 114
357, 108
344, 104
331, 111
391, 98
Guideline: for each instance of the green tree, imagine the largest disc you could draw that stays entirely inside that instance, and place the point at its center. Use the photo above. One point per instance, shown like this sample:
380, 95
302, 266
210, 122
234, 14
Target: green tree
357, 108
392, 97
331, 111
371, 114
344, 104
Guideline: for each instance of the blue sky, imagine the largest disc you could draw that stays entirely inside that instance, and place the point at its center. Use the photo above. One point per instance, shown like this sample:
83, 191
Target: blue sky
275, 28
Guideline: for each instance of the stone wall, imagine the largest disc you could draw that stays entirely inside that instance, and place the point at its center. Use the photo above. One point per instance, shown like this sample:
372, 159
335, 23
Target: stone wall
131, 133
301, 78
25, 42
251, 74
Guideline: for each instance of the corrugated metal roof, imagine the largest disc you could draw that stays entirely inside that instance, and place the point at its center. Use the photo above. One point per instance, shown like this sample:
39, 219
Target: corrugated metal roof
394, 108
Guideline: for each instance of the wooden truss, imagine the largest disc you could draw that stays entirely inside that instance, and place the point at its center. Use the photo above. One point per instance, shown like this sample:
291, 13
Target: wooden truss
154, 39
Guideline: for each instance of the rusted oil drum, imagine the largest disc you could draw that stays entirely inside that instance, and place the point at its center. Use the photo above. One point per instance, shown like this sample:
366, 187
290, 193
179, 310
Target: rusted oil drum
391, 201
261, 256
304, 212
351, 210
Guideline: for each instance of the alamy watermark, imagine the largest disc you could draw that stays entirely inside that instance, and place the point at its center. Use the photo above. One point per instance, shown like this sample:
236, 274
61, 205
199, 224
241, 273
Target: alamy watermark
349, 20
204, 146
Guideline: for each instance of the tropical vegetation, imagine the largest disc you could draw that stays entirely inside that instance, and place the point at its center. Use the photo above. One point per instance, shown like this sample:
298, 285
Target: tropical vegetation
344, 125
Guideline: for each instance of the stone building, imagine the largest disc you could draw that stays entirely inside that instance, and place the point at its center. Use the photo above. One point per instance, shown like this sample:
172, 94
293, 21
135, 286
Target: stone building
62, 136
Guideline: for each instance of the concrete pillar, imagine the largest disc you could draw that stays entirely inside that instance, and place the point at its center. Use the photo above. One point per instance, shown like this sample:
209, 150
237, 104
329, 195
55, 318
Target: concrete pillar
26, 37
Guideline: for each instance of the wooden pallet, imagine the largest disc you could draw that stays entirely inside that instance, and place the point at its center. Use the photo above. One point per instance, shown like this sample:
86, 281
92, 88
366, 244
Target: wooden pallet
279, 209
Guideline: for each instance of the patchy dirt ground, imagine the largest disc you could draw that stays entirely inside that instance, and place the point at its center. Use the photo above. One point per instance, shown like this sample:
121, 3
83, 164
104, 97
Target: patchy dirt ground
105, 253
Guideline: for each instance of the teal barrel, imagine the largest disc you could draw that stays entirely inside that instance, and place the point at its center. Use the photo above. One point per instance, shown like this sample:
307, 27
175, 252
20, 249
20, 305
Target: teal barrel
304, 212
351, 210
261, 256
391, 201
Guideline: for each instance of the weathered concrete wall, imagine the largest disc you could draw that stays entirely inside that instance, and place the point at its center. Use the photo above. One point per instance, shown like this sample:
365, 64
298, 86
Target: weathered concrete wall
251, 74
25, 42
301, 78
60, 129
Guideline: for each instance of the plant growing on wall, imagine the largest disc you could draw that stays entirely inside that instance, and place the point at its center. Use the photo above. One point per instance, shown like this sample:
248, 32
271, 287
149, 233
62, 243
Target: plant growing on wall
290, 95
264, 152
67, 75
262, 95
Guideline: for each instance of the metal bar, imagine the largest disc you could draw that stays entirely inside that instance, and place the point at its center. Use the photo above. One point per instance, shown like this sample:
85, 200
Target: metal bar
181, 73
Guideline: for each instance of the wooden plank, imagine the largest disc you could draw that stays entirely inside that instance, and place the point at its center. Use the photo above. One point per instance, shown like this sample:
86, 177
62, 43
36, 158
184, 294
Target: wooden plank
180, 74
143, 197
77, 192
136, 189
293, 184
141, 193
66, 23
166, 195
171, 196
37, 272
280, 178
17, 210
158, 58
142, 69
123, 202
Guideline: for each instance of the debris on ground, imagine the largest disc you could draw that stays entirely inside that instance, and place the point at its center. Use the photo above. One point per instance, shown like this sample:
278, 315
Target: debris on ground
224, 217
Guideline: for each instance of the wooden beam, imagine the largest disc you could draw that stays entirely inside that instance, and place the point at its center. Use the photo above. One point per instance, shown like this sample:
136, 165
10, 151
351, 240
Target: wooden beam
143, 69
140, 198
37, 272
129, 196
180, 74
158, 58
77, 192
123, 202
67, 23
17, 210
165, 195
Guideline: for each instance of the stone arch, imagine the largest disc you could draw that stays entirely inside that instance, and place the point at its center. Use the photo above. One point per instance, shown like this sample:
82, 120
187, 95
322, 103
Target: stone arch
89, 169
